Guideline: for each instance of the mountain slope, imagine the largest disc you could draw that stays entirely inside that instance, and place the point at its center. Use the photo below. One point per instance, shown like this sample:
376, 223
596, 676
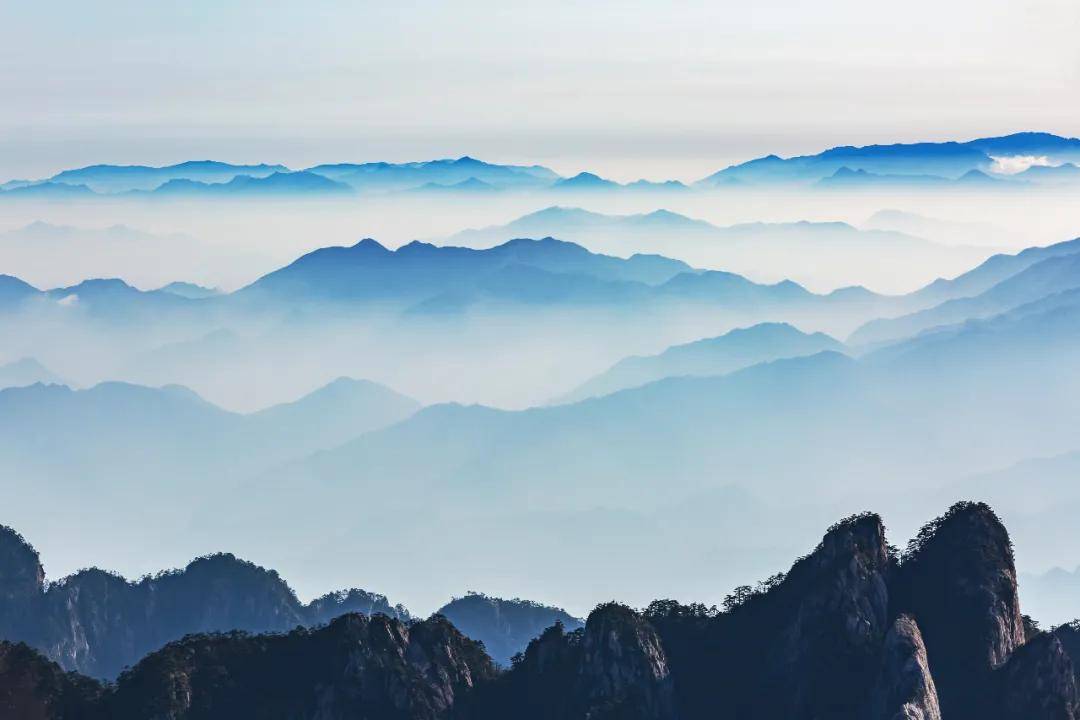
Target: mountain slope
331, 415
713, 356
418, 271
97, 623
122, 178
1054, 274
949, 160
277, 183
505, 627
854, 629
825, 255
27, 371
386, 177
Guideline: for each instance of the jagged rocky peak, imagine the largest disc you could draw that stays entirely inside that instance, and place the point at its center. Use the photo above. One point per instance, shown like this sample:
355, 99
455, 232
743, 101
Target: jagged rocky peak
21, 572
623, 670
22, 580
356, 666
832, 609
904, 690
615, 668
94, 622
1069, 635
805, 644
843, 585
1038, 681
958, 580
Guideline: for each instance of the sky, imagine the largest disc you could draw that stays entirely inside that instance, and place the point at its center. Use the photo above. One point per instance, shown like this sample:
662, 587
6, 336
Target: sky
628, 89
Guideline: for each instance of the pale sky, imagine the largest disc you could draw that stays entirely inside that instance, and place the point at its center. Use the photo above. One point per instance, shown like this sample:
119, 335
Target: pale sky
623, 88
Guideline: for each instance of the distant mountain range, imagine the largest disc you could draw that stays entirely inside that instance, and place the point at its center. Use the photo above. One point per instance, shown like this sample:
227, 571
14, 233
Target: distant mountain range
420, 271
938, 230
854, 629
839, 418
823, 255
119, 178
712, 356
189, 290
1001, 283
506, 627
535, 477
931, 164
925, 163
278, 183
27, 371
132, 421
50, 254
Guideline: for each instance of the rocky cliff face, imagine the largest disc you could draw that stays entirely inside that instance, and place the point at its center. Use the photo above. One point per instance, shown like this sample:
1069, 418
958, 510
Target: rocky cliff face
804, 645
615, 668
1037, 681
22, 579
958, 581
355, 667
905, 689
623, 669
97, 623
850, 632
838, 620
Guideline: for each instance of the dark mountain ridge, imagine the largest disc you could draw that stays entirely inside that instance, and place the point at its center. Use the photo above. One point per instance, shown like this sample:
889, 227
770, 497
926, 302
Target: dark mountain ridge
419, 271
854, 630
97, 623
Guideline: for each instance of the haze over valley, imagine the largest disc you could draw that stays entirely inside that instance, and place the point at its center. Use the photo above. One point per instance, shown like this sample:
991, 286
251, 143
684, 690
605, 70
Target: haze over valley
356, 367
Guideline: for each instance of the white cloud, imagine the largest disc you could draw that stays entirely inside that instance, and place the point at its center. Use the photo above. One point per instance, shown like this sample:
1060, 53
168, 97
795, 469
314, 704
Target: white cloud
1012, 164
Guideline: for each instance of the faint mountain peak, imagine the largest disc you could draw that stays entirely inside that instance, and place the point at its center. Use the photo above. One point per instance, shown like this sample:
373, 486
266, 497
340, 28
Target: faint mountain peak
28, 371
504, 626
585, 181
733, 351
366, 245
189, 290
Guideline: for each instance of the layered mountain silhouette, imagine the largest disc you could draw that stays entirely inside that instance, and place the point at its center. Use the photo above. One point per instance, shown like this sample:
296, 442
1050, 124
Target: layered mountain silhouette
918, 163
122, 425
50, 255
712, 356
855, 629
48, 191
27, 371
446, 173
189, 290
821, 254
279, 183
120, 178
210, 178
97, 623
838, 417
504, 626
585, 181
1000, 284
369, 272
932, 164
428, 279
